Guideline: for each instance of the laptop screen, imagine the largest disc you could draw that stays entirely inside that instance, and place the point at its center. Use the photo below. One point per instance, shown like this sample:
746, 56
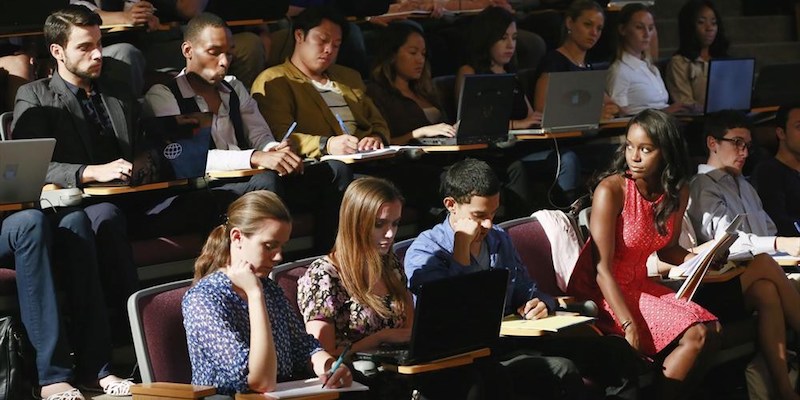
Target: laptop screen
23, 168
458, 314
730, 84
173, 147
484, 106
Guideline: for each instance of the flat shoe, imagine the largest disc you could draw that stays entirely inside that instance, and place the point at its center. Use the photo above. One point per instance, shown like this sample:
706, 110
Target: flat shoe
72, 394
116, 389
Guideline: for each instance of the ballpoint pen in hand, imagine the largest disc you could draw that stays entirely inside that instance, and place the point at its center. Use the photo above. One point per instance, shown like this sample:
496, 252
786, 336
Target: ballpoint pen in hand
289, 131
338, 362
342, 125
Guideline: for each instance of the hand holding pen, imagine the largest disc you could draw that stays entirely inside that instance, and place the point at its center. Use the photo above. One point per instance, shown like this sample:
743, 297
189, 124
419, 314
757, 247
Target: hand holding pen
339, 375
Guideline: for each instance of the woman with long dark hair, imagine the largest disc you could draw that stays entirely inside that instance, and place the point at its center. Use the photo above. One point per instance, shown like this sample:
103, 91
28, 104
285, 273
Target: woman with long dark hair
637, 208
702, 38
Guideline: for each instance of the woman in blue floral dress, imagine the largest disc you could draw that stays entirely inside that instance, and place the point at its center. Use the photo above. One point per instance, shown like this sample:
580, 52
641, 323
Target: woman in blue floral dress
242, 333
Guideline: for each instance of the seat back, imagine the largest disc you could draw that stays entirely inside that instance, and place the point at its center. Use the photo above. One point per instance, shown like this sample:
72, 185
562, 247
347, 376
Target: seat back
401, 247
777, 85
533, 246
446, 90
5, 125
286, 276
159, 337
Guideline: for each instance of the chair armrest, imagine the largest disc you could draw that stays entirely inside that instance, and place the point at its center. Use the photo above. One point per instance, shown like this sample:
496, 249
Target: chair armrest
169, 390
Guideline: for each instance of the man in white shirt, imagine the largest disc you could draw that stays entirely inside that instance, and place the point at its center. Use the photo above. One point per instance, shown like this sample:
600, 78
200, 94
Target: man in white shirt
241, 137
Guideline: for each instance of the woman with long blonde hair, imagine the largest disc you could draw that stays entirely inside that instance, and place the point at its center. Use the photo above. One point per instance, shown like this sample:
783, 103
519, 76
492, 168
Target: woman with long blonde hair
241, 331
357, 295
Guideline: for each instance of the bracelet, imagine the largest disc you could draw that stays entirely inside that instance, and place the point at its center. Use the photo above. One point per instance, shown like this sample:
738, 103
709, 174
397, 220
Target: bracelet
626, 324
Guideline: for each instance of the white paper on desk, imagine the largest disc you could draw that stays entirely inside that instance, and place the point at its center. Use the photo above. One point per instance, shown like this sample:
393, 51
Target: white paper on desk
360, 156
287, 390
788, 258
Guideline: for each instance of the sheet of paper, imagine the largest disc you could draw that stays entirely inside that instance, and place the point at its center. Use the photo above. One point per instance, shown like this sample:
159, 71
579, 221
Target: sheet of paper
288, 390
549, 324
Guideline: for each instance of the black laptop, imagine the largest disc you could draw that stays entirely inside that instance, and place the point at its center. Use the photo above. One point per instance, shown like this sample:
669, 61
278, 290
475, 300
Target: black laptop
452, 316
484, 109
170, 148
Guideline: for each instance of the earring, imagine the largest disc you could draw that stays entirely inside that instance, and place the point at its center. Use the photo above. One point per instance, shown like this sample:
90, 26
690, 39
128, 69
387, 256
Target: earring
569, 31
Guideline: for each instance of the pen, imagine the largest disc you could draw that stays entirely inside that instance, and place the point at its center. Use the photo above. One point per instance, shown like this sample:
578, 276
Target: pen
289, 131
338, 360
341, 124
797, 226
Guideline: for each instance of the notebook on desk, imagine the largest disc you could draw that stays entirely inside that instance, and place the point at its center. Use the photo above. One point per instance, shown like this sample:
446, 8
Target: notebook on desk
484, 109
23, 169
171, 148
452, 316
574, 102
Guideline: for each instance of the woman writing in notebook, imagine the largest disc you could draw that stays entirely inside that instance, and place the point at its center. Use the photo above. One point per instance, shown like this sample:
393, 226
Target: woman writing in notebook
242, 333
701, 39
634, 82
636, 209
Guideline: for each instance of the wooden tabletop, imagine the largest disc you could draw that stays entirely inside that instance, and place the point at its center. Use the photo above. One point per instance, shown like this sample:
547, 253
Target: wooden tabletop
454, 148
559, 135
236, 173
112, 190
449, 362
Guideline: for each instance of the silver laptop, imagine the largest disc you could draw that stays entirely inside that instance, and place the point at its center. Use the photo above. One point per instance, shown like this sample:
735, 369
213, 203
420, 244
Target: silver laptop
574, 103
484, 109
23, 169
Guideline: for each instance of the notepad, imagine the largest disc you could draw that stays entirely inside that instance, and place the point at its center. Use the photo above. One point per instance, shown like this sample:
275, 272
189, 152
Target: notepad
360, 156
292, 389
536, 327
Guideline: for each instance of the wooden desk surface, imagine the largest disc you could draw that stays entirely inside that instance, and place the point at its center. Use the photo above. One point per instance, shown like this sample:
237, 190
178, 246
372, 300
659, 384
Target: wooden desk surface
454, 148
237, 173
560, 135
11, 207
449, 362
112, 190
261, 396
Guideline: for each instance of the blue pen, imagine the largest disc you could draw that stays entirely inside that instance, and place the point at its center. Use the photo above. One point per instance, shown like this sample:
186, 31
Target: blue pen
797, 226
342, 125
339, 360
289, 131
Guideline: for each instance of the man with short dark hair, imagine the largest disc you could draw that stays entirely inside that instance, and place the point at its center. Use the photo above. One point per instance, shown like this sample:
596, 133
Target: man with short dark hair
777, 179
94, 121
328, 101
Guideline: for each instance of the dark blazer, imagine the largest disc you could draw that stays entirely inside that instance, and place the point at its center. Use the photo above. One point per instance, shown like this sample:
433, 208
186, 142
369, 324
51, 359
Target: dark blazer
47, 108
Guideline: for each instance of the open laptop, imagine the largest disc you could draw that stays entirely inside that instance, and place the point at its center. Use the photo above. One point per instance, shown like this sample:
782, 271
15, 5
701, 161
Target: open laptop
171, 148
484, 109
574, 102
730, 84
452, 316
23, 169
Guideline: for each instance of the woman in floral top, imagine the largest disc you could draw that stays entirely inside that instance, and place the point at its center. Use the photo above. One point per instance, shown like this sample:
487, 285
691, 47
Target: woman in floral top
241, 332
357, 294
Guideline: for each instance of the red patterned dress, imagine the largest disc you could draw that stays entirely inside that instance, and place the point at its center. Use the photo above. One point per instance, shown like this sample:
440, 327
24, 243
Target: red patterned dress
659, 316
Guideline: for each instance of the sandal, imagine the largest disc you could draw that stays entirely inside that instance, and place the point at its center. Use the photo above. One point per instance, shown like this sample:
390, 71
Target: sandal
72, 394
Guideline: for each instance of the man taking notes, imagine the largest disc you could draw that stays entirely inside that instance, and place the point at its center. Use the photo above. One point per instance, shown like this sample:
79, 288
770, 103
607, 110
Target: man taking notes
309, 89
242, 139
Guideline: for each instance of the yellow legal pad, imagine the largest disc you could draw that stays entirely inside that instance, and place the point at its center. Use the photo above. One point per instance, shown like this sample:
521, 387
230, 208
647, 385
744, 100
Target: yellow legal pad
539, 327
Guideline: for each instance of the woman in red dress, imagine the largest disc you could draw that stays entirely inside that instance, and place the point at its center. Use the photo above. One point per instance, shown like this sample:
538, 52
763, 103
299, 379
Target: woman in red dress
636, 209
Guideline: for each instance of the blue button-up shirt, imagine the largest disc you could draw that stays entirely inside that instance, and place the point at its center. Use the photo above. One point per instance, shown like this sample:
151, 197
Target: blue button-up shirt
430, 257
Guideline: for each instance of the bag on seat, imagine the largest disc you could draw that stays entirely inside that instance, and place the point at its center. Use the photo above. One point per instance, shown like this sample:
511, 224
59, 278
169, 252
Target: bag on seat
16, 360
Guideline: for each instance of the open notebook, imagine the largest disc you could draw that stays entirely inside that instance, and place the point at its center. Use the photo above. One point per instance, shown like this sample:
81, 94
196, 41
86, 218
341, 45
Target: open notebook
307, 387
697, 267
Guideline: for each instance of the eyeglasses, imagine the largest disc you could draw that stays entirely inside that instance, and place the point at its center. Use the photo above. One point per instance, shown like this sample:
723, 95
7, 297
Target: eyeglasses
738, 142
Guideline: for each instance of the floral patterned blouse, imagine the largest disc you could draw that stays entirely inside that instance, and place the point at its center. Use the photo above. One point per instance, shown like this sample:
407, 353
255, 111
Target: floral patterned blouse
321, 296
217, 326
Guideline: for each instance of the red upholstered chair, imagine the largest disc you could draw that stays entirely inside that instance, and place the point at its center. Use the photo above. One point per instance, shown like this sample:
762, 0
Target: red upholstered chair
533, 247
401, 247
286, 276
8, 290
158, 334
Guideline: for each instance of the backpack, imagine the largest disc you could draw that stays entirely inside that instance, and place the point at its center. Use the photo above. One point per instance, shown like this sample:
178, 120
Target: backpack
16, 360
